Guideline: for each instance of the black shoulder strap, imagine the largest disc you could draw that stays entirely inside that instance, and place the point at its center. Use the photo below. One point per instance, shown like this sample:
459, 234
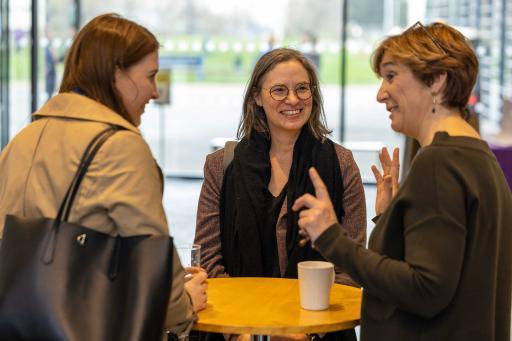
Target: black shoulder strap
86, 160
229, 152
65, 207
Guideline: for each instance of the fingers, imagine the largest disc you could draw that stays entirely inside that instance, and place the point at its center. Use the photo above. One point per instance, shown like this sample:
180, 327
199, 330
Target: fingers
317, 214
376, 174
396, 154
197, 287
385, 160
395, 169
311, 216
395, 164
388, 182
320, 189
380, 179
202, 303
305, 237
194, 269
390, 165
306, 200
199, 278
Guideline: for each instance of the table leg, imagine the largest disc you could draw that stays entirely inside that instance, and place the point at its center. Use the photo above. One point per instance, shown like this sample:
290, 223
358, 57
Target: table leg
260, 337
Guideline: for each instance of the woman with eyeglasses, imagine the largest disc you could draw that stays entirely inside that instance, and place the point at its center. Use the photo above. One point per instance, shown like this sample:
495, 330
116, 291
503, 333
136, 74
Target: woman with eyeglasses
245, 224
438, 265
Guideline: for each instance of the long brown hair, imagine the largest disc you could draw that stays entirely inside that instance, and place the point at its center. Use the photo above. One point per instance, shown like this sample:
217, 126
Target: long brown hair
106, 42
253, 116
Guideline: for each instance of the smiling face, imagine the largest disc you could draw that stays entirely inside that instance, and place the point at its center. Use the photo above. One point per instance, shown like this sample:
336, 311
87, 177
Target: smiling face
136, 86
406, 98
289, 115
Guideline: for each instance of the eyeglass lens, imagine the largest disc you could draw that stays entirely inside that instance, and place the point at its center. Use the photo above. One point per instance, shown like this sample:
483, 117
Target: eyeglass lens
280, 92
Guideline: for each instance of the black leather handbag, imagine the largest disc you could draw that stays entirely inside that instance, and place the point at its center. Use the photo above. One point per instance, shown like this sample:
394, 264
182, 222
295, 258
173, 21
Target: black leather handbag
63, 281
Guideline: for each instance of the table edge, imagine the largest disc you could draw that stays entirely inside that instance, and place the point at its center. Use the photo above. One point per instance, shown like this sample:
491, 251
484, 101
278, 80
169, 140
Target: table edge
275, 330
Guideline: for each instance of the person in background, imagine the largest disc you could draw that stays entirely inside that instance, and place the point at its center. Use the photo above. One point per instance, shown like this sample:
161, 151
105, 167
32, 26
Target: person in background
245, 224
438, 265
109, 78
50, 73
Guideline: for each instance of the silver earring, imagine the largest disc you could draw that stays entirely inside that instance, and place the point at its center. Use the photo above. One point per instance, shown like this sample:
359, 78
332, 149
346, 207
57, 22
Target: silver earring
434, 100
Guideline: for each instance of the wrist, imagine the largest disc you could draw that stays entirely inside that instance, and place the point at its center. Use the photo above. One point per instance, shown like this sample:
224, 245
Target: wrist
319, 231
327, 234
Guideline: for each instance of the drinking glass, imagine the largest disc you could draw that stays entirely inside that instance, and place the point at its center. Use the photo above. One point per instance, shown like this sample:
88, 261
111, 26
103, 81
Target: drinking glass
190, 254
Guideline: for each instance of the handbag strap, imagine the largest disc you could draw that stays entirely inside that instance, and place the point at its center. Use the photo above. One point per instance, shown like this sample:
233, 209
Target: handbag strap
67, 202
87, 157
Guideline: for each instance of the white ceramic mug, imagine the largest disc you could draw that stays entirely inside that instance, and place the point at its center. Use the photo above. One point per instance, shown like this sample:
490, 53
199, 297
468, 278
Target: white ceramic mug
315, 282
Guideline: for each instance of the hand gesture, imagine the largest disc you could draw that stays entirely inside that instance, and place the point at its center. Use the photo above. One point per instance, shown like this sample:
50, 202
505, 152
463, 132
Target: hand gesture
196, 285
318, 213
387, 181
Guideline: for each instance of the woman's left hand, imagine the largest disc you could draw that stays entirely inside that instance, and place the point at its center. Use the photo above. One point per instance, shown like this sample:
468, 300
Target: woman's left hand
196, 284
387, 181
190, 271
317, 214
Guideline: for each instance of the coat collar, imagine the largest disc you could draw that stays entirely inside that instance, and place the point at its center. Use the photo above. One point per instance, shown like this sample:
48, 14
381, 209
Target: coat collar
72, 105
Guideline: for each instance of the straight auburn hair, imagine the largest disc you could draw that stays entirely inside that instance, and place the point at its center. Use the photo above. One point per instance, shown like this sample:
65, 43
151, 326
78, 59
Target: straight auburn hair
105, 43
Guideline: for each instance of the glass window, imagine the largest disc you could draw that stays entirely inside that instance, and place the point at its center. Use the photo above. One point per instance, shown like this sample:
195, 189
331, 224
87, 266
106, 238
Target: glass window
55, 21
19, 87
56, 30
367, 122
210, 48
4, 73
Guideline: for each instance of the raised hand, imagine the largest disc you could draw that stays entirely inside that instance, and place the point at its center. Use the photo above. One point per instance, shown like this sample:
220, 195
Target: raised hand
387, 181
318, 213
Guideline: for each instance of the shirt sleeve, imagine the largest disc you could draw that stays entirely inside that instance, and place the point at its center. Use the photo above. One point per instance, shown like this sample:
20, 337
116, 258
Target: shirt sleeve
431, 206
208, 218
354, 206
180, 316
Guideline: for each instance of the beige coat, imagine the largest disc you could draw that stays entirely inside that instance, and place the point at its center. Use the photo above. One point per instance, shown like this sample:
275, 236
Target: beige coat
120, 194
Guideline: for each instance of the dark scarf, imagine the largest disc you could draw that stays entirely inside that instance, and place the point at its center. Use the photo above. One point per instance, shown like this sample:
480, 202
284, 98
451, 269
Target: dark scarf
249, 246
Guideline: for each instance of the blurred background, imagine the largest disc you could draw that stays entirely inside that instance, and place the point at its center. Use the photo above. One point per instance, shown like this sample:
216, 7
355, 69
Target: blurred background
208, 49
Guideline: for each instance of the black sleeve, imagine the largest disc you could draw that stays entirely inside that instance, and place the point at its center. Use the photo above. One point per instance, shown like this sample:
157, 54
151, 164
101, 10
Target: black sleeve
434, 234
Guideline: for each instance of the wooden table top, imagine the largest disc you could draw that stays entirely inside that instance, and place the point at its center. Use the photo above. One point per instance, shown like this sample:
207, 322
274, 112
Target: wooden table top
269, 306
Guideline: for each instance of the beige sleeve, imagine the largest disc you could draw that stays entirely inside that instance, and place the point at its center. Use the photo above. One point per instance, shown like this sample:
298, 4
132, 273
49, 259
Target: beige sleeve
125, 189
180, 314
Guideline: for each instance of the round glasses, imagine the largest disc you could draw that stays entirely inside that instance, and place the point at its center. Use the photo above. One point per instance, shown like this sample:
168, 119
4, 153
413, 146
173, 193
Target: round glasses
280, 92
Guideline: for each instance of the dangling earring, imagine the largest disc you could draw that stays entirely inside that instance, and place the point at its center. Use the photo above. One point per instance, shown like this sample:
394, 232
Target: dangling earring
434, 101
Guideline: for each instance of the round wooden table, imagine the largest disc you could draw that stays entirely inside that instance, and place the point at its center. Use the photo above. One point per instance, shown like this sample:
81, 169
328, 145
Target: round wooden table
270, 306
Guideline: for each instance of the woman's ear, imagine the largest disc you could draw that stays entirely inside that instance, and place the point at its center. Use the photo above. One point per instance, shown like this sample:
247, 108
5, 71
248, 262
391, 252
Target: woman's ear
439, 83
257, 98
118, 74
